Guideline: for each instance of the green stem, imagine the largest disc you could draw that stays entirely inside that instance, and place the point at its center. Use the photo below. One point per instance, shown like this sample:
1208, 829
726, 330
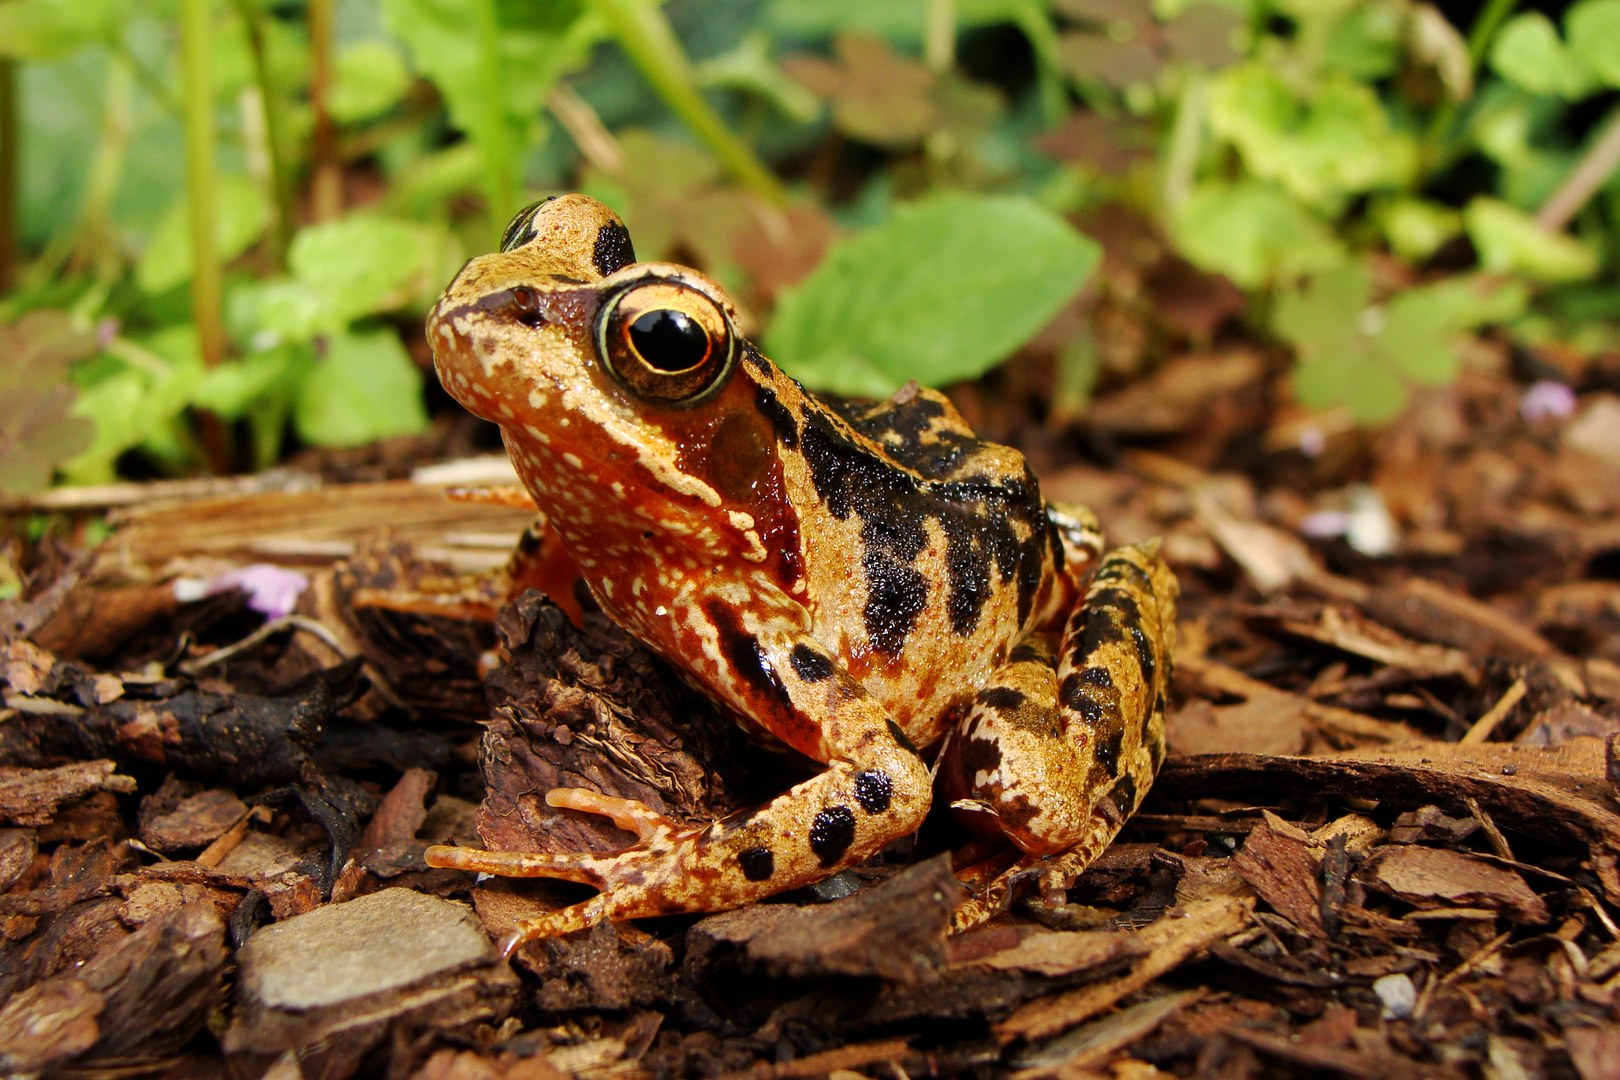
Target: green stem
10, 167
98, 234
281, 183
326, 188
649, 41
1436, 151
1186, 139
1483, 32
196, 48
495, 136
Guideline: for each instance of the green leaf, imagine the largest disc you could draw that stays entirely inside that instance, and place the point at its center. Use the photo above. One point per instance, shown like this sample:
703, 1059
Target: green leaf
1528, 52
1509, 241
898, 21
364, 388
138, 398
1253, 233
1362, 355
371, 79
941, 292
538, 42
51, 29
1593, 27
1321, 150
1415, 228
231, 387
341, 270
243, 213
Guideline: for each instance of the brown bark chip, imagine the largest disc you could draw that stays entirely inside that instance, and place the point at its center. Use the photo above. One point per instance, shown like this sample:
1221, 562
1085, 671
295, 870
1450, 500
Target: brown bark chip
1286, 873
31, 796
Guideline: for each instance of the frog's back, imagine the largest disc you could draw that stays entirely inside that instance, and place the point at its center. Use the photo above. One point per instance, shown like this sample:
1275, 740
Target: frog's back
928, 550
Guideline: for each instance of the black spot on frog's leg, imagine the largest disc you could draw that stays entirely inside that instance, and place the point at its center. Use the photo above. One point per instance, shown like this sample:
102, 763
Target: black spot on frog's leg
901, 739
809, 665
831, 833
1122, 799
758, 864
1003, 699
787, 432
873, 789
613, 250
1097, 707
1098, 676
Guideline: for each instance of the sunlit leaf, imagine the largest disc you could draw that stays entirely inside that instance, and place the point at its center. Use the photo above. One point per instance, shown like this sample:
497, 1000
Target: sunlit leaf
364, 388
1510, 242
1337, 143
1593, 27
1529, 52
371, 78
940, 293
877, 95
50, 29
1253, 233
241, 213
1416, 228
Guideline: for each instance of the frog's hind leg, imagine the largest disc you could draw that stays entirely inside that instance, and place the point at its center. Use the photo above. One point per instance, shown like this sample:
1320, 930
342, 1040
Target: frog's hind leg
1059, 749
874, 789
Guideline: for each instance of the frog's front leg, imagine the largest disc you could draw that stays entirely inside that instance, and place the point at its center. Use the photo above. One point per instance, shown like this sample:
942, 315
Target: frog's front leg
1059, 748
874, 790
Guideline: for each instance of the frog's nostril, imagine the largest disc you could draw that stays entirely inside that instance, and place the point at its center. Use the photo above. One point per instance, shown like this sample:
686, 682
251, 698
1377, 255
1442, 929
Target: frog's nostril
525, 306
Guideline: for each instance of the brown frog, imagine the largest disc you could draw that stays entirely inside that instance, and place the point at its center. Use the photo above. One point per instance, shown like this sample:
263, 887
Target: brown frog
865, 583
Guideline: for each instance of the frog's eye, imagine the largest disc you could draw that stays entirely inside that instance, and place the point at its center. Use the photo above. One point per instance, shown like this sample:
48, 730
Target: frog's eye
520, 230
665, 342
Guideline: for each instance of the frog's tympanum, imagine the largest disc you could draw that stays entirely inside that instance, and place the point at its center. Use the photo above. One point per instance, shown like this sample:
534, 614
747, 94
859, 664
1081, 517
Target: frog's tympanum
867, 584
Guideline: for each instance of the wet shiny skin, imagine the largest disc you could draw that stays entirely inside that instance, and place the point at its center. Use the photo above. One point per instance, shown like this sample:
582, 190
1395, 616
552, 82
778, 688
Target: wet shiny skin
863, 582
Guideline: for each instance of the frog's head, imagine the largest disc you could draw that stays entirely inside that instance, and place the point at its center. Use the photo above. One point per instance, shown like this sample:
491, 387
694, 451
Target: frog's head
605, 373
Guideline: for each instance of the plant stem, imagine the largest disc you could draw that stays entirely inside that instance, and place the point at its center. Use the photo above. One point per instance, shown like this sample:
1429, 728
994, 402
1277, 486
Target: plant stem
495, 135
1599, 162
196, 47
1484, 29
326, 187
282, 202
1186, 138
10, 162
1480, 36
648, 40
939, 36
207, 294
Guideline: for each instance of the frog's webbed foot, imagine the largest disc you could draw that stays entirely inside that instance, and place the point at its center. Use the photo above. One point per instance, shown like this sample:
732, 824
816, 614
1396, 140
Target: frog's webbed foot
1060, 747
874, 789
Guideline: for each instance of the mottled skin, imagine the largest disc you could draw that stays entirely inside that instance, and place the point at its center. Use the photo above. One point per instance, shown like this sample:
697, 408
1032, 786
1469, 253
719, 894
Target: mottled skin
853, 581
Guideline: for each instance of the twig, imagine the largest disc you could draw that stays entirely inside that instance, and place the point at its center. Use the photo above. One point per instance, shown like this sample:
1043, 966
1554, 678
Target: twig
1493, 834
274, 626
1590, 174
1481, 731
592, 137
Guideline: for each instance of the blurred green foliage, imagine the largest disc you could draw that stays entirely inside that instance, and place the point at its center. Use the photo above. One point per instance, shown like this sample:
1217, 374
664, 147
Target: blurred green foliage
887, 187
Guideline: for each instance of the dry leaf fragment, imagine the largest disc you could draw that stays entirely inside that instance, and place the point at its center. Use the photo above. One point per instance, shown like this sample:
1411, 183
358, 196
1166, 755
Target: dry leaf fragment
1428, 877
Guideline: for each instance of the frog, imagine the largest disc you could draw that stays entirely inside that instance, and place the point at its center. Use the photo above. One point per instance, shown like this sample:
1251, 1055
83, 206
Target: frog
865, 584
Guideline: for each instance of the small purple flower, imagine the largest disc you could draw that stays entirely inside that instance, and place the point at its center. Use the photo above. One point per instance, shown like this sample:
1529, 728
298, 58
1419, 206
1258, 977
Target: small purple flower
273, 591
1326, 523
1547, 399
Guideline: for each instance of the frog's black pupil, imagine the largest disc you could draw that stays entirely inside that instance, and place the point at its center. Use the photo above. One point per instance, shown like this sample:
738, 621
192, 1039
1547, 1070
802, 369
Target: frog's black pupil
669, 340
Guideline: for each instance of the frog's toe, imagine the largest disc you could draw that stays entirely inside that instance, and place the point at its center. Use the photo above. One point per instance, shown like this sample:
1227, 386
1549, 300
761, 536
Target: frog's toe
580, 866
627, 814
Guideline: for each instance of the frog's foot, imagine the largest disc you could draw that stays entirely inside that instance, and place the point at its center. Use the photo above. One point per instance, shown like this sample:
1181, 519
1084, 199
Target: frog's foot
1059, 749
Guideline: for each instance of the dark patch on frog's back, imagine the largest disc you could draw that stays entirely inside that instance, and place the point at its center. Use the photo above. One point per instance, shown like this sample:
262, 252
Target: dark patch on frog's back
896, 485
757, 863
613, 249
747, 659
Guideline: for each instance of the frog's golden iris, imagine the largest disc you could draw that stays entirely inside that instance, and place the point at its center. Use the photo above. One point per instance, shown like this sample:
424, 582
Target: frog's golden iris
665, 341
